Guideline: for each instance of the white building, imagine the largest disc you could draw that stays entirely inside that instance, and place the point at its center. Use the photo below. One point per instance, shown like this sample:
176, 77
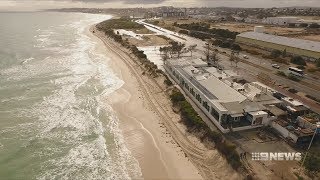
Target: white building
282, 21
229, 105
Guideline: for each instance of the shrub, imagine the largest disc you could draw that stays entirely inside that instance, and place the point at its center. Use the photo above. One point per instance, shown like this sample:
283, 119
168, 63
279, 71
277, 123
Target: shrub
312, 162
281, 60
298, 60
292, 25
293, 78
184, 31
304, 25
253, 52
314, 25
281, 73
312, 70
313, 98
294, 91
122, 23
168, 82
203, 31
276, 53
301, 67
176, 96
318, 62
225, 44
236, 47
193, 121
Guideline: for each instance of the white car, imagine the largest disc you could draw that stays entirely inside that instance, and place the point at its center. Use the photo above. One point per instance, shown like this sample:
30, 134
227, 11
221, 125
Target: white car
245, 56
275, 66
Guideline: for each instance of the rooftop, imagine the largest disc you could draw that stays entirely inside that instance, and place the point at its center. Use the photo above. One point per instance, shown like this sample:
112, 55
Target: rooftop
292, 102
291, 42
221, 90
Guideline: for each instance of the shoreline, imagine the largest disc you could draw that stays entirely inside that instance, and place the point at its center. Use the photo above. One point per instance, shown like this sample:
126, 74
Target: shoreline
146, 137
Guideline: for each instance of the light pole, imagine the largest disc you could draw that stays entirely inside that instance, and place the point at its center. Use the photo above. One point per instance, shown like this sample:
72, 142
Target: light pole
314, 134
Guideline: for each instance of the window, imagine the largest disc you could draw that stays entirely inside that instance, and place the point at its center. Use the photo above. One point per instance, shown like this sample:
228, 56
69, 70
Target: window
258, 120
214, 113
224, 118
296, 71
205, 105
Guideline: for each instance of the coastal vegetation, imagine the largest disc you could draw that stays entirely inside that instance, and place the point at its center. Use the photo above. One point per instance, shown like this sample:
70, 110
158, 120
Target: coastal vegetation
312, 162
173, 48
204, 31
109, 27
121, 23
298, 60
195, 124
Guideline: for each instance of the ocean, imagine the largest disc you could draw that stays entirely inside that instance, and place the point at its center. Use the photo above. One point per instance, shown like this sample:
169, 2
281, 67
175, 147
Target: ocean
54, 123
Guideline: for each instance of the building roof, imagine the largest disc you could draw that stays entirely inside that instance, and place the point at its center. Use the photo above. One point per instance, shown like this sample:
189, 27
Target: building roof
258, 113
211, 86
292, 101
234, 107
276, 111
221, 74
222, 91
285, 41
241, 107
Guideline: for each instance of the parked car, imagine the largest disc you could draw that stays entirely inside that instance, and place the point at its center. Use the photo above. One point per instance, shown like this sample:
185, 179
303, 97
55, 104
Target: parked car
275, 66
245, 56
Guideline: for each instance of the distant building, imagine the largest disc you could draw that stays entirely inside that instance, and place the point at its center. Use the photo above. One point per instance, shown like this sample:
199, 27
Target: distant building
207, 17
282, 21
305, 48
175, 13
231, 106
252, 20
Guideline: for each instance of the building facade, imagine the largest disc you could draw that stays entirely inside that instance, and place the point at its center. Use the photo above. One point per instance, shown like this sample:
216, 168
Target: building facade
229, 105
281, 21
305, 48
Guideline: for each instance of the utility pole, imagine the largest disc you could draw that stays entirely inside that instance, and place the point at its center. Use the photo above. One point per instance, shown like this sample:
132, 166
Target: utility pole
314, 134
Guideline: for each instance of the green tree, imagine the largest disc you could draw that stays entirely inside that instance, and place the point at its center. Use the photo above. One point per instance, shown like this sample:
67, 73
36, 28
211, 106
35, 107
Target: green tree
177, 47
314, 25
298, 60
304, 25
192, 48
236, 47
312, 163
318, 62
284, 53
276, 53
184, 32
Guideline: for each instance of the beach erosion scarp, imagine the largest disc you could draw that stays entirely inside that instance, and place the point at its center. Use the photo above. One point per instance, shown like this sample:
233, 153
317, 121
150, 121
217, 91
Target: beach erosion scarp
159, 156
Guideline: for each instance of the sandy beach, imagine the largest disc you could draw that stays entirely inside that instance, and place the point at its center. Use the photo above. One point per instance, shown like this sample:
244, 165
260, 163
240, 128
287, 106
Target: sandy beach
145, 135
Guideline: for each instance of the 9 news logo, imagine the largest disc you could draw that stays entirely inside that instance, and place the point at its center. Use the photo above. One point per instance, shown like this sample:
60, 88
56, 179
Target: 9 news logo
276, 156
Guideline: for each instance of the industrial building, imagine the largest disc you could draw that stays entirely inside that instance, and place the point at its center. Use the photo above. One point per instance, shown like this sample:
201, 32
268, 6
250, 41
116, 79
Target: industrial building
230, 105
305, 48
282, 21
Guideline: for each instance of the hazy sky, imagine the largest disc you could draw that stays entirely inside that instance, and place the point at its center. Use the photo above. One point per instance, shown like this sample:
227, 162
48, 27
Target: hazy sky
12, 5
